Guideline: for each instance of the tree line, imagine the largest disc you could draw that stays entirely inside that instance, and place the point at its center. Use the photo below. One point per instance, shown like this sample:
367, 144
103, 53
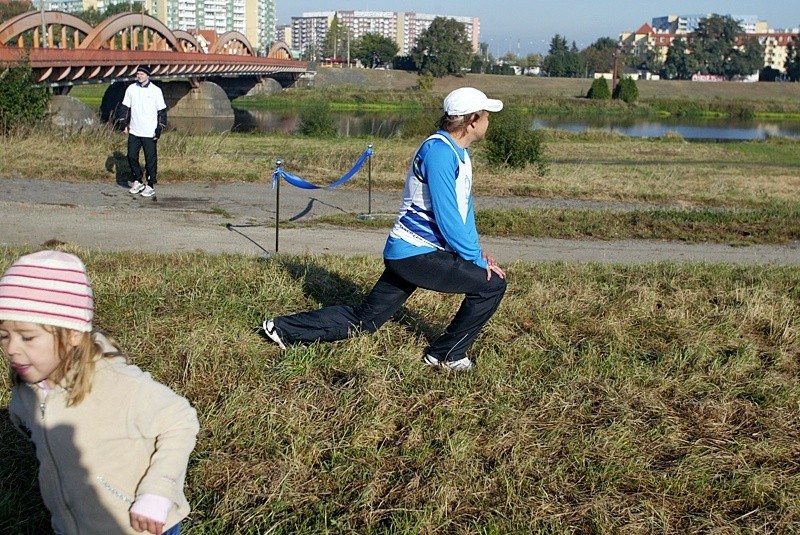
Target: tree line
718, 47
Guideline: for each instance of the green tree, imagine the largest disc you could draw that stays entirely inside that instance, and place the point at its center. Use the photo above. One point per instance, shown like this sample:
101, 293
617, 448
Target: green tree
478, 64
562, 60
443, 48
532, 60
792, 64
648, 61
599, 90
747, 59
599, 56
94, 16
12, 8
373, 49
680, 62
719, 48
21, 104
626, 90
335, 45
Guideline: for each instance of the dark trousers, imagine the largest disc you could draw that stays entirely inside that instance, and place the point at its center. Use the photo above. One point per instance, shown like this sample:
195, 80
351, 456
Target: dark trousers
136, 143
438, 271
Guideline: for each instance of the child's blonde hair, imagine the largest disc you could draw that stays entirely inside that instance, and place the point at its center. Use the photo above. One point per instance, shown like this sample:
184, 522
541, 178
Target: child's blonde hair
76, 362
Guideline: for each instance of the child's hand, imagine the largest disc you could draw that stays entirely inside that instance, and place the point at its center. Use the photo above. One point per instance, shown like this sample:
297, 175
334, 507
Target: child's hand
142, 523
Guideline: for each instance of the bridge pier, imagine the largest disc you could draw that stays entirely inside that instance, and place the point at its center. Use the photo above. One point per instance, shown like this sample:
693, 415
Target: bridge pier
247, 85
204, 108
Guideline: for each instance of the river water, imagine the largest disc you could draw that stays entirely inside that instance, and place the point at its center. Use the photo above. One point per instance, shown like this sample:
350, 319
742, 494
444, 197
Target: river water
384, 125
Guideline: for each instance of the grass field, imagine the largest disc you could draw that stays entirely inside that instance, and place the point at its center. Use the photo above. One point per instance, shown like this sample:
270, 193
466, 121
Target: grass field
656, 398
608, 399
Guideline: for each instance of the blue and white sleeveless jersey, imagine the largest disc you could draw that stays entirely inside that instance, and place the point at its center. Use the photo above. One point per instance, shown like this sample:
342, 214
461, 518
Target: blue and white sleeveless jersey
437, 208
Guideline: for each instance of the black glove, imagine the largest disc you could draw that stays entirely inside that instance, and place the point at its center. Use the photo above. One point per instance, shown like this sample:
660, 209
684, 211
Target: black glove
158, 133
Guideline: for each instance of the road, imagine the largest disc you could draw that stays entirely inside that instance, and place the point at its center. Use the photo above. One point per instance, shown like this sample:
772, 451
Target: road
240, 218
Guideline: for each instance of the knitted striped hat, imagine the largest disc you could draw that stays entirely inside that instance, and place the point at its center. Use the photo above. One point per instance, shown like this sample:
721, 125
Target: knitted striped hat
50, 288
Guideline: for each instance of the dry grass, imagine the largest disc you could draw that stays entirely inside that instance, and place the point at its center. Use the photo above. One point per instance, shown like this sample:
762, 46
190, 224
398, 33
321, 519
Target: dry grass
559, 87
607, 399
748, 174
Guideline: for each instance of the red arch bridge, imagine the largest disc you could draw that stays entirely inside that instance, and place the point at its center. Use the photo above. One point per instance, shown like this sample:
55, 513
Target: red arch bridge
64, 50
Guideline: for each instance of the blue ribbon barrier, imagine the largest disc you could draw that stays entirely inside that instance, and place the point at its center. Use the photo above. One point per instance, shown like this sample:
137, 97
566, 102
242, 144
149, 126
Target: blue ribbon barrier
298, 182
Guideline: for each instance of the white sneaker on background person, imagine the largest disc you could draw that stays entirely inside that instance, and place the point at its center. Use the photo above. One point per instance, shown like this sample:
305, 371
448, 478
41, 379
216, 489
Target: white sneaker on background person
137, 187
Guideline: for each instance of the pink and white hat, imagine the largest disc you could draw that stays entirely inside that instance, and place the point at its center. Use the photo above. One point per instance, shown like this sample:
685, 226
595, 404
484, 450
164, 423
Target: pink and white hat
50, 288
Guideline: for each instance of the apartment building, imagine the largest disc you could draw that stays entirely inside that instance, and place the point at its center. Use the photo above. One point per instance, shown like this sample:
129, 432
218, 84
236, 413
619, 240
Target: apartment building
658, 37
682, 24
255, 19
404, 28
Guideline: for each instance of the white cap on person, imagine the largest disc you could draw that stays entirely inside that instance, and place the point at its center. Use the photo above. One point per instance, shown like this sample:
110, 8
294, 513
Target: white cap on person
465, 100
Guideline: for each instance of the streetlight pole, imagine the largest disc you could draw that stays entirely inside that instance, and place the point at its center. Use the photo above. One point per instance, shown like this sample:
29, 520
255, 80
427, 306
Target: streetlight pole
44, 24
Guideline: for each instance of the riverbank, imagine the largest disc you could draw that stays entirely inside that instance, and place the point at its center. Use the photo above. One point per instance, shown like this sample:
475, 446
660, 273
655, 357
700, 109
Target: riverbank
390, 89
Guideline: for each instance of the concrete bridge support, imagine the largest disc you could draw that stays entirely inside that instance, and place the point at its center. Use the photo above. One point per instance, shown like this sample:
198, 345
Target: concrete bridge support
204, 108
247, 85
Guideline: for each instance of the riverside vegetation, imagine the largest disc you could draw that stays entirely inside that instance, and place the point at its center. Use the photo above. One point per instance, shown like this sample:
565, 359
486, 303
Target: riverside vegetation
738, 192
658, 398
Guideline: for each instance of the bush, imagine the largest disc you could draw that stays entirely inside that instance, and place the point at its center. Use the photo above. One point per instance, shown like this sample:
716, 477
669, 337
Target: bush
626, 90
316, 120
599, 90
510, 141
20, 102
425, 82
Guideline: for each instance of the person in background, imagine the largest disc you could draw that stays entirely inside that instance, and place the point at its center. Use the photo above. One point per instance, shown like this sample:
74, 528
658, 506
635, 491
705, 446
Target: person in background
112, 444
144, 117
433, 245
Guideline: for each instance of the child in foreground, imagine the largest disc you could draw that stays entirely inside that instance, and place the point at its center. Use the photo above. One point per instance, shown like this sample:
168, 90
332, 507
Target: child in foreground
112, 443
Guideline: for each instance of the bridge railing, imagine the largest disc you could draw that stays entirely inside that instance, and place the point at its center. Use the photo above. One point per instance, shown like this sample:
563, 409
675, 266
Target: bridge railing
69, 66
111, 50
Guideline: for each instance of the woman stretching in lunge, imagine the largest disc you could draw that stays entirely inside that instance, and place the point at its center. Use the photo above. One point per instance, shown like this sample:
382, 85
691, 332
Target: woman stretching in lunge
112, 443
433, 245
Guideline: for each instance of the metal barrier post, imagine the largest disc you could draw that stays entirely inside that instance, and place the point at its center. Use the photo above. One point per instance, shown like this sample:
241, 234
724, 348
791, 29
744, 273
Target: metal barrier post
278, 206
369, 180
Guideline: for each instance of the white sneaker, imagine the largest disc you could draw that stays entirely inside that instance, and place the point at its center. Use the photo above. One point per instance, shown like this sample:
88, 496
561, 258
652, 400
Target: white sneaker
136, 188
272, 333
148, 191
461, 365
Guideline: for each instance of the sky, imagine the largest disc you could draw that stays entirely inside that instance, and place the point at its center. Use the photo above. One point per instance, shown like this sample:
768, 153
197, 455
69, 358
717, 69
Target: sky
527, 26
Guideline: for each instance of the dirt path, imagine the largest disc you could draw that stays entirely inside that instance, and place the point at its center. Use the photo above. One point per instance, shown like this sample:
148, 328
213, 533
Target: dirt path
239, 218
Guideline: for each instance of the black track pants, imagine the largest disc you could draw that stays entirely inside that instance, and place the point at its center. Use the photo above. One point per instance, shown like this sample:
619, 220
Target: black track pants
135, 143
438, 271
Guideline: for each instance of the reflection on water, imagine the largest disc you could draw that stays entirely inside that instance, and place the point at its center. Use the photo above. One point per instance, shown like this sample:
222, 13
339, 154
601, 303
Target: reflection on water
381, 125
384, 125
721, 129
202, 124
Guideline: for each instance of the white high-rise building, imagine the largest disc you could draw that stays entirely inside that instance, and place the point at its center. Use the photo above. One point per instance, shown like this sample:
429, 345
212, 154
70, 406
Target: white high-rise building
310, 29
255, 19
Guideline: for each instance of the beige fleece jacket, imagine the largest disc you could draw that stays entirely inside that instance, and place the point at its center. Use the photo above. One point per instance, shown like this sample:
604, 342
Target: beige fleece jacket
129, 436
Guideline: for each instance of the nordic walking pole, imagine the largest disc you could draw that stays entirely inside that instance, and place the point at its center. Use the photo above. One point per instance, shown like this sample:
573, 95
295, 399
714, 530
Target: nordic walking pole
278, 206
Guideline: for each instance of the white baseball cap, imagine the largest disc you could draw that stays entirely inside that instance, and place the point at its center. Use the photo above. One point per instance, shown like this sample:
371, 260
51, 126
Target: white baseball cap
466, 100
